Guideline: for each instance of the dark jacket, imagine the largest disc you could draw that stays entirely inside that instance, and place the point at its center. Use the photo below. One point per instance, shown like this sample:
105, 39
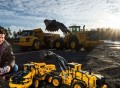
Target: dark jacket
6, 55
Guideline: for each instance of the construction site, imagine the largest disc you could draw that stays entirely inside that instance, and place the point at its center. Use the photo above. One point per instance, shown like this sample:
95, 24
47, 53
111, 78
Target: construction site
77, 60
60, 44
74, 38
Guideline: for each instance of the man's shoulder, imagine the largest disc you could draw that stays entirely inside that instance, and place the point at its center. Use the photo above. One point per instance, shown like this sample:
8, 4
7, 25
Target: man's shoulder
6, 44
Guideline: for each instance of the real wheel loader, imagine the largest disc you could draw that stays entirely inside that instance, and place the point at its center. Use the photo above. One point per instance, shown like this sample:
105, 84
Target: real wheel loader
75, 38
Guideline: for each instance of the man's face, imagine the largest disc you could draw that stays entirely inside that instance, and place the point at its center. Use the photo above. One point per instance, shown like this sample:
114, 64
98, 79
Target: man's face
2, 38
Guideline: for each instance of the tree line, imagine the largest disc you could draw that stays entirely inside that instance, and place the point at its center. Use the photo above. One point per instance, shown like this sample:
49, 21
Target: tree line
109, 34
105, 33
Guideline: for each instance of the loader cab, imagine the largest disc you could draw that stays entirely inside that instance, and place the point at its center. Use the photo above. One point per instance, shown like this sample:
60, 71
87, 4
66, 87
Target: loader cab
80, 33
84, 34
75, 29
75, 66
26, 33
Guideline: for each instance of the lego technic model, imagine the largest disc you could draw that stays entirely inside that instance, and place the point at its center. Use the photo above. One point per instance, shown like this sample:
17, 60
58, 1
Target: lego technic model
55, 70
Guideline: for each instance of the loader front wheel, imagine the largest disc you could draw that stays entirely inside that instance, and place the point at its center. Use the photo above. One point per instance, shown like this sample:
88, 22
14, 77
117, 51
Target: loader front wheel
36, 45
74, 43
48, 78
57, 81
78, 85
59, 44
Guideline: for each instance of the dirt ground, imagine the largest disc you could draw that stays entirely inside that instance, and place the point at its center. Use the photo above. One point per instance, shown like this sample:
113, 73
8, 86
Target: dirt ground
104, 59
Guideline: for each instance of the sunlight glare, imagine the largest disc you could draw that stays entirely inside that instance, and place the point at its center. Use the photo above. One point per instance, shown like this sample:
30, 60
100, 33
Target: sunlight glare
111, 21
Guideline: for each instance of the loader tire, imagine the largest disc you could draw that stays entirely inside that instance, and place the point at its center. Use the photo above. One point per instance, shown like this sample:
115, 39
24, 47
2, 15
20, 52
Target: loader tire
59, 44
74, 43
35, 83
78, 85
48, 78
36, 45
57, 81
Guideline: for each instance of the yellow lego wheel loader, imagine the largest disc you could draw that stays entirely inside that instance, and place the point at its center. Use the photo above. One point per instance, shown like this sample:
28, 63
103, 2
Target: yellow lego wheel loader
32, 75
71, 74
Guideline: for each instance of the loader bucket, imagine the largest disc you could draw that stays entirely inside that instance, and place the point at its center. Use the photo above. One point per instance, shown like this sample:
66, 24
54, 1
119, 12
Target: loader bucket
51, 25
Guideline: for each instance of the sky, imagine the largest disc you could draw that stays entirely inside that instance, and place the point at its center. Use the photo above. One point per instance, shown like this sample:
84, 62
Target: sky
30, 14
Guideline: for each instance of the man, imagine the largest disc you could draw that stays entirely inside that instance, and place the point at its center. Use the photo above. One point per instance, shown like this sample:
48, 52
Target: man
7, 58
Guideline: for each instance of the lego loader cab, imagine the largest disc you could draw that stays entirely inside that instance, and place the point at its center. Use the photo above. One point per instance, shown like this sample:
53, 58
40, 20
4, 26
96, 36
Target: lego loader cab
35, 39
31, 75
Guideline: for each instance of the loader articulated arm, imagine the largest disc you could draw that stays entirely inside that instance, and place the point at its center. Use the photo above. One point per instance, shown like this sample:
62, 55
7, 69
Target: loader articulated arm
53, 25
59, 61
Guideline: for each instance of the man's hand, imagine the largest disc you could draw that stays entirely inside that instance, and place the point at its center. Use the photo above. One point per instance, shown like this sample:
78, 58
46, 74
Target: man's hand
4, 70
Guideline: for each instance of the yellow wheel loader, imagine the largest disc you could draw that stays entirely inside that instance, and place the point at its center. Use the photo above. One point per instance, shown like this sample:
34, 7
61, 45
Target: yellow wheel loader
75, 77
35, 39
71, 74
75, 38
23, 79
31, 75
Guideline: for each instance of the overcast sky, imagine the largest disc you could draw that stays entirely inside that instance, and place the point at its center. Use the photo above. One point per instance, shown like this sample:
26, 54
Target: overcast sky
29, 14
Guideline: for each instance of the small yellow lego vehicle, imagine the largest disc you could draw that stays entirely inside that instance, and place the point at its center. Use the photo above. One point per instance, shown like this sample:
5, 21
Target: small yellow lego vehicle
43, 72
77, 78
31, 75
